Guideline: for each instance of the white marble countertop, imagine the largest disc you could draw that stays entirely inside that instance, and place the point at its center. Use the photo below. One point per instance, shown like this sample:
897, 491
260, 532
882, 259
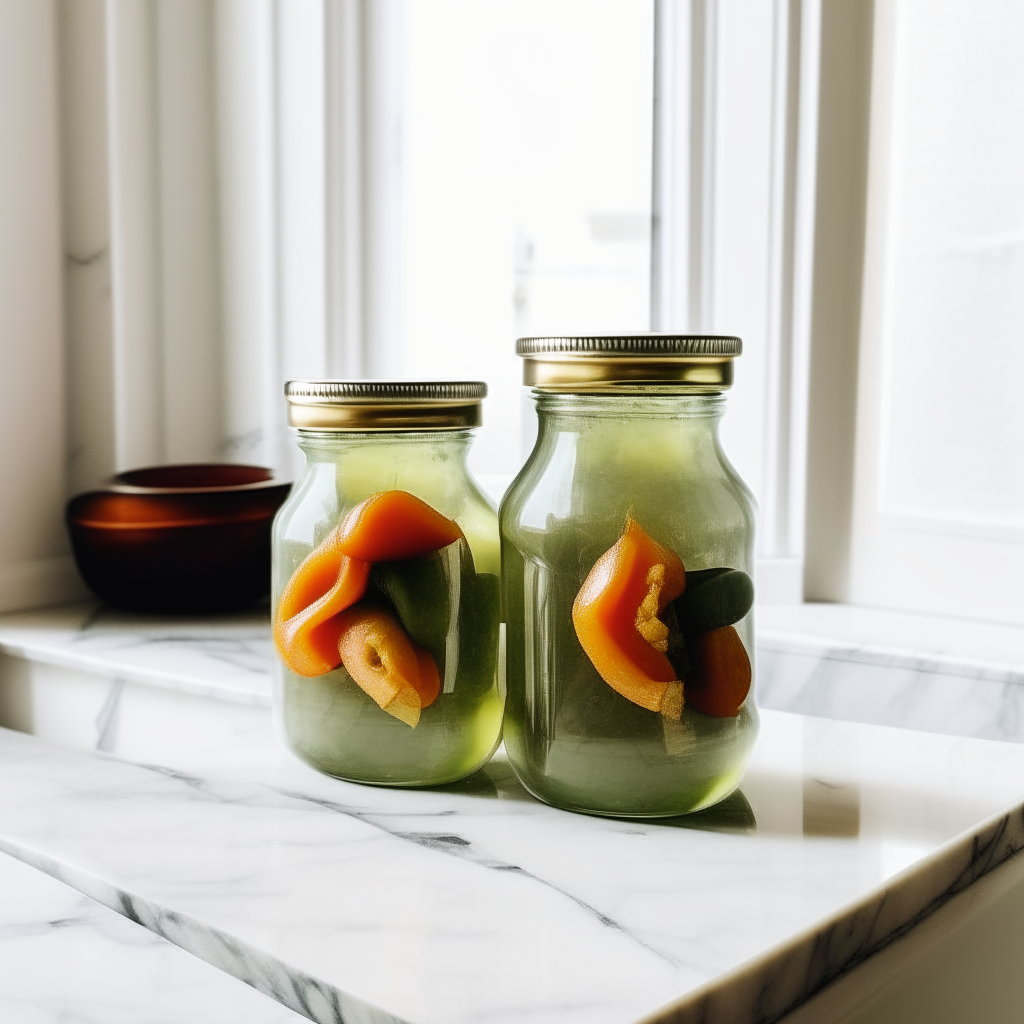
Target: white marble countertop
474, 903
65, 958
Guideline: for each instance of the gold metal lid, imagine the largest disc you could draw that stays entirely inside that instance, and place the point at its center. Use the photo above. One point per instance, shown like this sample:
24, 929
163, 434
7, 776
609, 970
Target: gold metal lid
384, 404
608, 362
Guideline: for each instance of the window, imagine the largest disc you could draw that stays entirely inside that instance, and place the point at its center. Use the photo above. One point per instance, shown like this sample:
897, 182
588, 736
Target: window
915, 455
939, 487
522, 180
258, 189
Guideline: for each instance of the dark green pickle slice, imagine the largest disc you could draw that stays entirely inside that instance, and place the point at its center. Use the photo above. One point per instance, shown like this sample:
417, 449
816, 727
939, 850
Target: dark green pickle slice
713, 598
479, 614
677, 653
418, 591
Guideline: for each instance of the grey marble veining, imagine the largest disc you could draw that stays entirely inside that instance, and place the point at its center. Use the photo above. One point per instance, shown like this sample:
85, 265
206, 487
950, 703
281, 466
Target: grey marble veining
65, 959
475, 903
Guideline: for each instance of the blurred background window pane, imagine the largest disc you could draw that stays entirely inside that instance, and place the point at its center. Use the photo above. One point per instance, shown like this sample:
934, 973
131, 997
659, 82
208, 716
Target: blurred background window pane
525, 158
940, 512
955, 363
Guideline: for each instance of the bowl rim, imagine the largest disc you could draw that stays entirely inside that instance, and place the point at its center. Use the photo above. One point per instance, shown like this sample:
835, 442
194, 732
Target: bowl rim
116, 485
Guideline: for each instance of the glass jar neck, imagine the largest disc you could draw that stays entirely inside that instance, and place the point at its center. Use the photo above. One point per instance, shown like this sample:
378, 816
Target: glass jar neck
561, 410
327, 446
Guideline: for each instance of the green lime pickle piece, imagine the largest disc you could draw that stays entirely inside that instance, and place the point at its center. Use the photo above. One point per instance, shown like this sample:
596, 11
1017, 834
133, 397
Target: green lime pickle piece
713, 598
479, 617
418, 591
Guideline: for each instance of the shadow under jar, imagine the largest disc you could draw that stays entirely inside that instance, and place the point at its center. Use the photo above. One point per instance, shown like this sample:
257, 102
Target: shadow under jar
385, 589
627, 550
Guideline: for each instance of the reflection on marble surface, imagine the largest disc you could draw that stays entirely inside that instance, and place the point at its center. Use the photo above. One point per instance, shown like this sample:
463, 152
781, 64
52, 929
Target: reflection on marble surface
65, 958
474, 902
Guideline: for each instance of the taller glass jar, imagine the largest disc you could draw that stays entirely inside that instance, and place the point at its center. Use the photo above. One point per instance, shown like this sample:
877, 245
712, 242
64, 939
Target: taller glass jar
385, 590
627, 557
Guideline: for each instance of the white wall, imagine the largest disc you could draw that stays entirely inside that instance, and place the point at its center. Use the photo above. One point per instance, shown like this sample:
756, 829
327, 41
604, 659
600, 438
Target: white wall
34, 565
138, 126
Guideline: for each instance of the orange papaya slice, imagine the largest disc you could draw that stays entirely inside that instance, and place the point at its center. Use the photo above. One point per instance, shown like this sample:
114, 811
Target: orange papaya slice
399, 676
616, 619
327, 582
388, 526
429, 684
394, 525
720, 678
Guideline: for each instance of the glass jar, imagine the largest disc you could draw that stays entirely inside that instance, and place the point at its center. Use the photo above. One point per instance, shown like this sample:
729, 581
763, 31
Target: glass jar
385, 591
627, 558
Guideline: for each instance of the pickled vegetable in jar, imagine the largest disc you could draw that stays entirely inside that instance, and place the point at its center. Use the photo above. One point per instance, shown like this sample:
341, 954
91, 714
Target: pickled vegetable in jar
627, 561
385, 591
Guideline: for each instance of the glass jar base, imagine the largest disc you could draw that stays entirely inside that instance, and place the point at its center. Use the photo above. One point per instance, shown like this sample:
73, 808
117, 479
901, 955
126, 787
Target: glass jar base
443, 779
564, 802
633, 776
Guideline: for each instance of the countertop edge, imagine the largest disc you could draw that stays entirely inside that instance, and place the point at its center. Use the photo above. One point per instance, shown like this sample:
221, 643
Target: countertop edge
264, 972
754, 992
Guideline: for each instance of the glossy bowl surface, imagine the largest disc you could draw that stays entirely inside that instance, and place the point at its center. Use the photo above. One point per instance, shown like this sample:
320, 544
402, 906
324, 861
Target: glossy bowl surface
183, 539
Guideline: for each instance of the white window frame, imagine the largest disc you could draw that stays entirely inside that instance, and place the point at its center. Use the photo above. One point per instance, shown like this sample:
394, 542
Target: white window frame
844, 117
709, 156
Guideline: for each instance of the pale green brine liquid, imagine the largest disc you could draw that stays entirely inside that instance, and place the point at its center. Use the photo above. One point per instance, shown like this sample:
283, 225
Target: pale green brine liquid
573, 740
328, 720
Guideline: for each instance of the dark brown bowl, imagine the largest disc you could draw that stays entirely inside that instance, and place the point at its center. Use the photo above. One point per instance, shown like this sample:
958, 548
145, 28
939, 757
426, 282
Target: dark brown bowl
178, 538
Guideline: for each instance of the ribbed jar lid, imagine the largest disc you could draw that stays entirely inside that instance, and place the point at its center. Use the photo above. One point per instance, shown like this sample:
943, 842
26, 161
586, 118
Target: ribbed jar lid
607, 362
384, 404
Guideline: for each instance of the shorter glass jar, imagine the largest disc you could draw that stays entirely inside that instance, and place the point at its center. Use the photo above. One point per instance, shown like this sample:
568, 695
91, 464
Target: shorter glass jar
385, 590
627, 549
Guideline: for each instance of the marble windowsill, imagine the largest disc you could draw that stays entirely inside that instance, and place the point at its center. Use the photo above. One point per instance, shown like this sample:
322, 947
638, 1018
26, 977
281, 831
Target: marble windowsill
832, 661
893, 668
227, 657
942, 642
